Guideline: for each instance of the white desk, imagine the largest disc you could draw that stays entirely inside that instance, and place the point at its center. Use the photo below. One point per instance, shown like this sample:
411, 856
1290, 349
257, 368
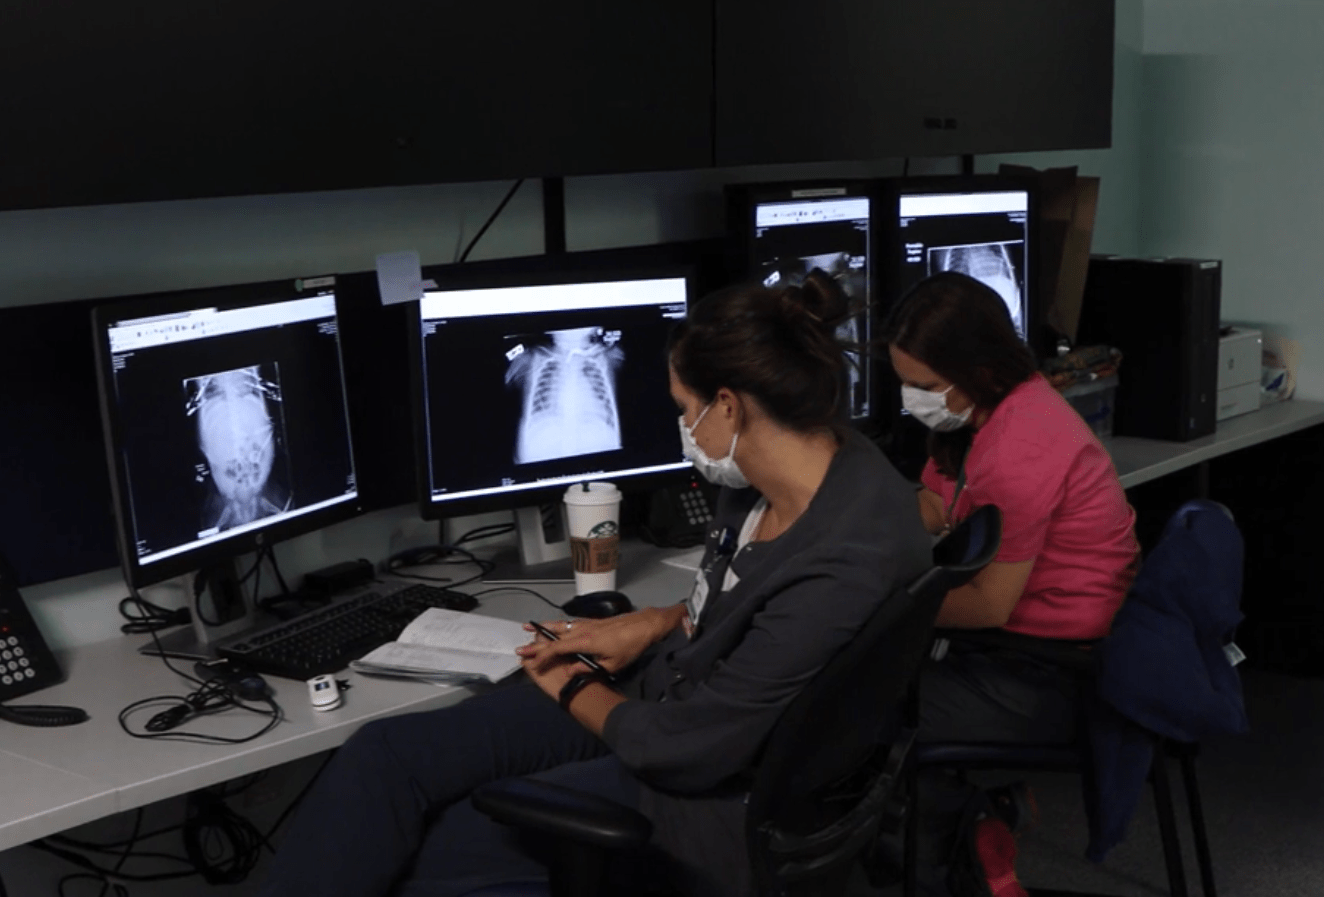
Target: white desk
55, 779
39, 800
1141, 460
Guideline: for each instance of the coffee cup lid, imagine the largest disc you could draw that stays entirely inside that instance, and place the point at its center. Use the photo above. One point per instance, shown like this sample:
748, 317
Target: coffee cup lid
592, 494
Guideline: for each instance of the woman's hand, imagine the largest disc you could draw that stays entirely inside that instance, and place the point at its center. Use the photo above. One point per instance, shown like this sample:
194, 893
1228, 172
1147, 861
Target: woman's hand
552, 676
615, 642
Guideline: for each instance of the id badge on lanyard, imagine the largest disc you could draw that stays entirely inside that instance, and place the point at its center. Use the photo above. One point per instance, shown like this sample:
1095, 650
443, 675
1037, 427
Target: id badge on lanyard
698, 600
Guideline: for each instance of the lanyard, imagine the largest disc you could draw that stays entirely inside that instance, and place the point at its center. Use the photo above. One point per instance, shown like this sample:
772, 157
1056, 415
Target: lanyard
960, 485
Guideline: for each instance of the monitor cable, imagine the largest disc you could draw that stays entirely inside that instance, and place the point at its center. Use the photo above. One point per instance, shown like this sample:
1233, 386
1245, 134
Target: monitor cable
143, 616
250, 694
510, 194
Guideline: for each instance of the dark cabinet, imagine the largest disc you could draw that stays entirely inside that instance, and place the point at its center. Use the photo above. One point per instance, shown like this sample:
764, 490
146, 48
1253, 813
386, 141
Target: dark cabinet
816, 80
157, 99
153, 99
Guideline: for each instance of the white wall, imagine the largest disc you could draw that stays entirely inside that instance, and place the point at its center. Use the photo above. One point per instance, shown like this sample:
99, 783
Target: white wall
1233, 141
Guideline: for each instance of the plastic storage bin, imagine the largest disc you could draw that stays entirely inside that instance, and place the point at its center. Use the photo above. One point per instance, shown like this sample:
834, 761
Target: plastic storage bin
1095, 401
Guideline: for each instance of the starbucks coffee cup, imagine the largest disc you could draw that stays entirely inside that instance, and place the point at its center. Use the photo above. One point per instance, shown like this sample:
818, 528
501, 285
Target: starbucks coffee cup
593, 516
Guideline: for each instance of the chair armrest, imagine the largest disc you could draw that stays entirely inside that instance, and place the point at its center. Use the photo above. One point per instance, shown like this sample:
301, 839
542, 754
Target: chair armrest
563, 812
1073, 655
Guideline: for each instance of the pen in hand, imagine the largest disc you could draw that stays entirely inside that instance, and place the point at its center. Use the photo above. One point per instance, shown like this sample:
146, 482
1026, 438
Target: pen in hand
582, 658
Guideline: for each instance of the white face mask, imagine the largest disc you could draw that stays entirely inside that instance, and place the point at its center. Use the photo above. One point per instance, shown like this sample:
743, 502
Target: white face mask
721, 472
930, 409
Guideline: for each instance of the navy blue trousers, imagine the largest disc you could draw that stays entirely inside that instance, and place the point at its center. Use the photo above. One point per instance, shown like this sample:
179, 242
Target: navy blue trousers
390, 814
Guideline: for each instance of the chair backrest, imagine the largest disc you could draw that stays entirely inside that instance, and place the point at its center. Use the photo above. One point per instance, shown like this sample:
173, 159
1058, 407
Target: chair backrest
847, 717
965, 551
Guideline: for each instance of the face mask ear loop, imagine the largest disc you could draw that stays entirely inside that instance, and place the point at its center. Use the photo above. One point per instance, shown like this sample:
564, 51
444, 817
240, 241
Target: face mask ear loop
694, 426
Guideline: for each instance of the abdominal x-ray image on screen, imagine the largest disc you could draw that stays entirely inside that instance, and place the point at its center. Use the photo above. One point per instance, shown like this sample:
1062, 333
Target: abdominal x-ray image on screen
990, 263
569, 392
240, 423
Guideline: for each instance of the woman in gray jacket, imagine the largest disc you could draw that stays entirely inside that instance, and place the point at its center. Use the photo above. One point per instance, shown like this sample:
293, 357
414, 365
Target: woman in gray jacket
813, 529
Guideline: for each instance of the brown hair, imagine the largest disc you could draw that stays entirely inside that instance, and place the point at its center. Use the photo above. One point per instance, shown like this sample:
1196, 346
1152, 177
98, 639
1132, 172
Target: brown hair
778, 345
961, 329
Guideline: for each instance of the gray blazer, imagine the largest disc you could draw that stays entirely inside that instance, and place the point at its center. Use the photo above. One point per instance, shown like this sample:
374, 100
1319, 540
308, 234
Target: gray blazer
705, 705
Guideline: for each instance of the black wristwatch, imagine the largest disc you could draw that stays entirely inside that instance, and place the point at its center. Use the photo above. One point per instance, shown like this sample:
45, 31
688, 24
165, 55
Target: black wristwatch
574, 687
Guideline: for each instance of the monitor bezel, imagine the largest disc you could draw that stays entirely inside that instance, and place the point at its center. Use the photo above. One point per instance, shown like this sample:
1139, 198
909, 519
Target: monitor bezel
526, 271
104, 314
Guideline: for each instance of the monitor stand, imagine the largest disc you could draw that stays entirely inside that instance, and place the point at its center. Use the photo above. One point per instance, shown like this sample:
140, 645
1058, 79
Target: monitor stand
223, 603
543, 555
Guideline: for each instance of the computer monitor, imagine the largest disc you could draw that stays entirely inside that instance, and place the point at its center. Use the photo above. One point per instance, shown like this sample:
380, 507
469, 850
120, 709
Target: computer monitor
978, 225
57, 519
784, 231
225, 422
553, 375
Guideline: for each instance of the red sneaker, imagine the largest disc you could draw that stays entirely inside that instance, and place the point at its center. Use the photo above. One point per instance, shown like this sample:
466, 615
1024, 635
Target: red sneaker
995, 849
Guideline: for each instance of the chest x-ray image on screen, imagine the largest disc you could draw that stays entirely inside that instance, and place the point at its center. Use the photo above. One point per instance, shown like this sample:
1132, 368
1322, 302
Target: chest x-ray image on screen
240, 421
525, 387
568, 382
830, 233
979, 234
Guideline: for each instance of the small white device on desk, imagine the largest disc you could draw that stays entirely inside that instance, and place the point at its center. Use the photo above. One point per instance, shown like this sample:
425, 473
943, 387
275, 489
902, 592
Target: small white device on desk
1239, 364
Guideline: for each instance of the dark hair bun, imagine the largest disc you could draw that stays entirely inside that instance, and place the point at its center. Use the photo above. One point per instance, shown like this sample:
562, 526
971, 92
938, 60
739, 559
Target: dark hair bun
820, 299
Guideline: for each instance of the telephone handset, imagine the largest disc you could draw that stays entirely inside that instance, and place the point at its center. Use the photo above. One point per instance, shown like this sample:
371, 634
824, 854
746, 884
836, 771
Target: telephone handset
26, 663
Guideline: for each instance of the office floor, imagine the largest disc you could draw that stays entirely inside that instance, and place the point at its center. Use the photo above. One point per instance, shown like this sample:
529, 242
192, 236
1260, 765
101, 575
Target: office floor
1264, 807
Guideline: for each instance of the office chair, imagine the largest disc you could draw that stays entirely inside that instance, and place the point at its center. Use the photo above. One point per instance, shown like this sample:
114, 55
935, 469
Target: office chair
827, 779
1074, 657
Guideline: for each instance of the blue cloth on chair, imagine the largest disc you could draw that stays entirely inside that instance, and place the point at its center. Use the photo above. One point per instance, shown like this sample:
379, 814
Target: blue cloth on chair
1163, 669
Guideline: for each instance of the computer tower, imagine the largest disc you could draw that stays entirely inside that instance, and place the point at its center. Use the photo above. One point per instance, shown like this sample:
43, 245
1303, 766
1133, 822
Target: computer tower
1163, 314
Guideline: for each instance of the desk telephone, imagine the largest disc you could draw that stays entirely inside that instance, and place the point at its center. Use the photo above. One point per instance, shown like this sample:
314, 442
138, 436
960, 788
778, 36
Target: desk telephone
679, 513
26, 663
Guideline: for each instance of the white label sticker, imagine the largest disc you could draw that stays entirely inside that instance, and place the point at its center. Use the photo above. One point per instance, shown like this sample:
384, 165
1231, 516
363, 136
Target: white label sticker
399, 277
1234, 654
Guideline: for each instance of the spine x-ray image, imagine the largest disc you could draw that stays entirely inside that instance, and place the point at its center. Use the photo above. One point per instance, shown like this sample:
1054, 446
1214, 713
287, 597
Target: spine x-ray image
240, 428
569, 405
989, 263
849, 271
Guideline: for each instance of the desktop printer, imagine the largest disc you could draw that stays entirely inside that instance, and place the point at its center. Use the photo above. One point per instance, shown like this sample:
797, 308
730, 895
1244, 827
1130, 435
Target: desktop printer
1239, 364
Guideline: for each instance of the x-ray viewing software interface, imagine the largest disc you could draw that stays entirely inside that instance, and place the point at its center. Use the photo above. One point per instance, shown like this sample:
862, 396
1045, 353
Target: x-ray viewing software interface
979, 234
229, 420
795, 236
530, 386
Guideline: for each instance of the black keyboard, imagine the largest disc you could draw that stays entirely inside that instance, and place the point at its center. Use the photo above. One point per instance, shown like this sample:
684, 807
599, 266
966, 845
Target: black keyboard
327, 639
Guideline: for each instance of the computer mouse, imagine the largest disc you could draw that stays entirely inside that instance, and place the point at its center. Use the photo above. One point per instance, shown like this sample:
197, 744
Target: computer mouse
596, 605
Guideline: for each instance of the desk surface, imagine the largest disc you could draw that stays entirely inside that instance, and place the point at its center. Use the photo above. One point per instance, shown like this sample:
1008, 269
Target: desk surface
58, 778
1141, 460
40, 800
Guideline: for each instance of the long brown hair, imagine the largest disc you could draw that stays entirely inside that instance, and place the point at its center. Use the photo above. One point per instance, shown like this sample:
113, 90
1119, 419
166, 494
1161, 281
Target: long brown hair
962, 329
